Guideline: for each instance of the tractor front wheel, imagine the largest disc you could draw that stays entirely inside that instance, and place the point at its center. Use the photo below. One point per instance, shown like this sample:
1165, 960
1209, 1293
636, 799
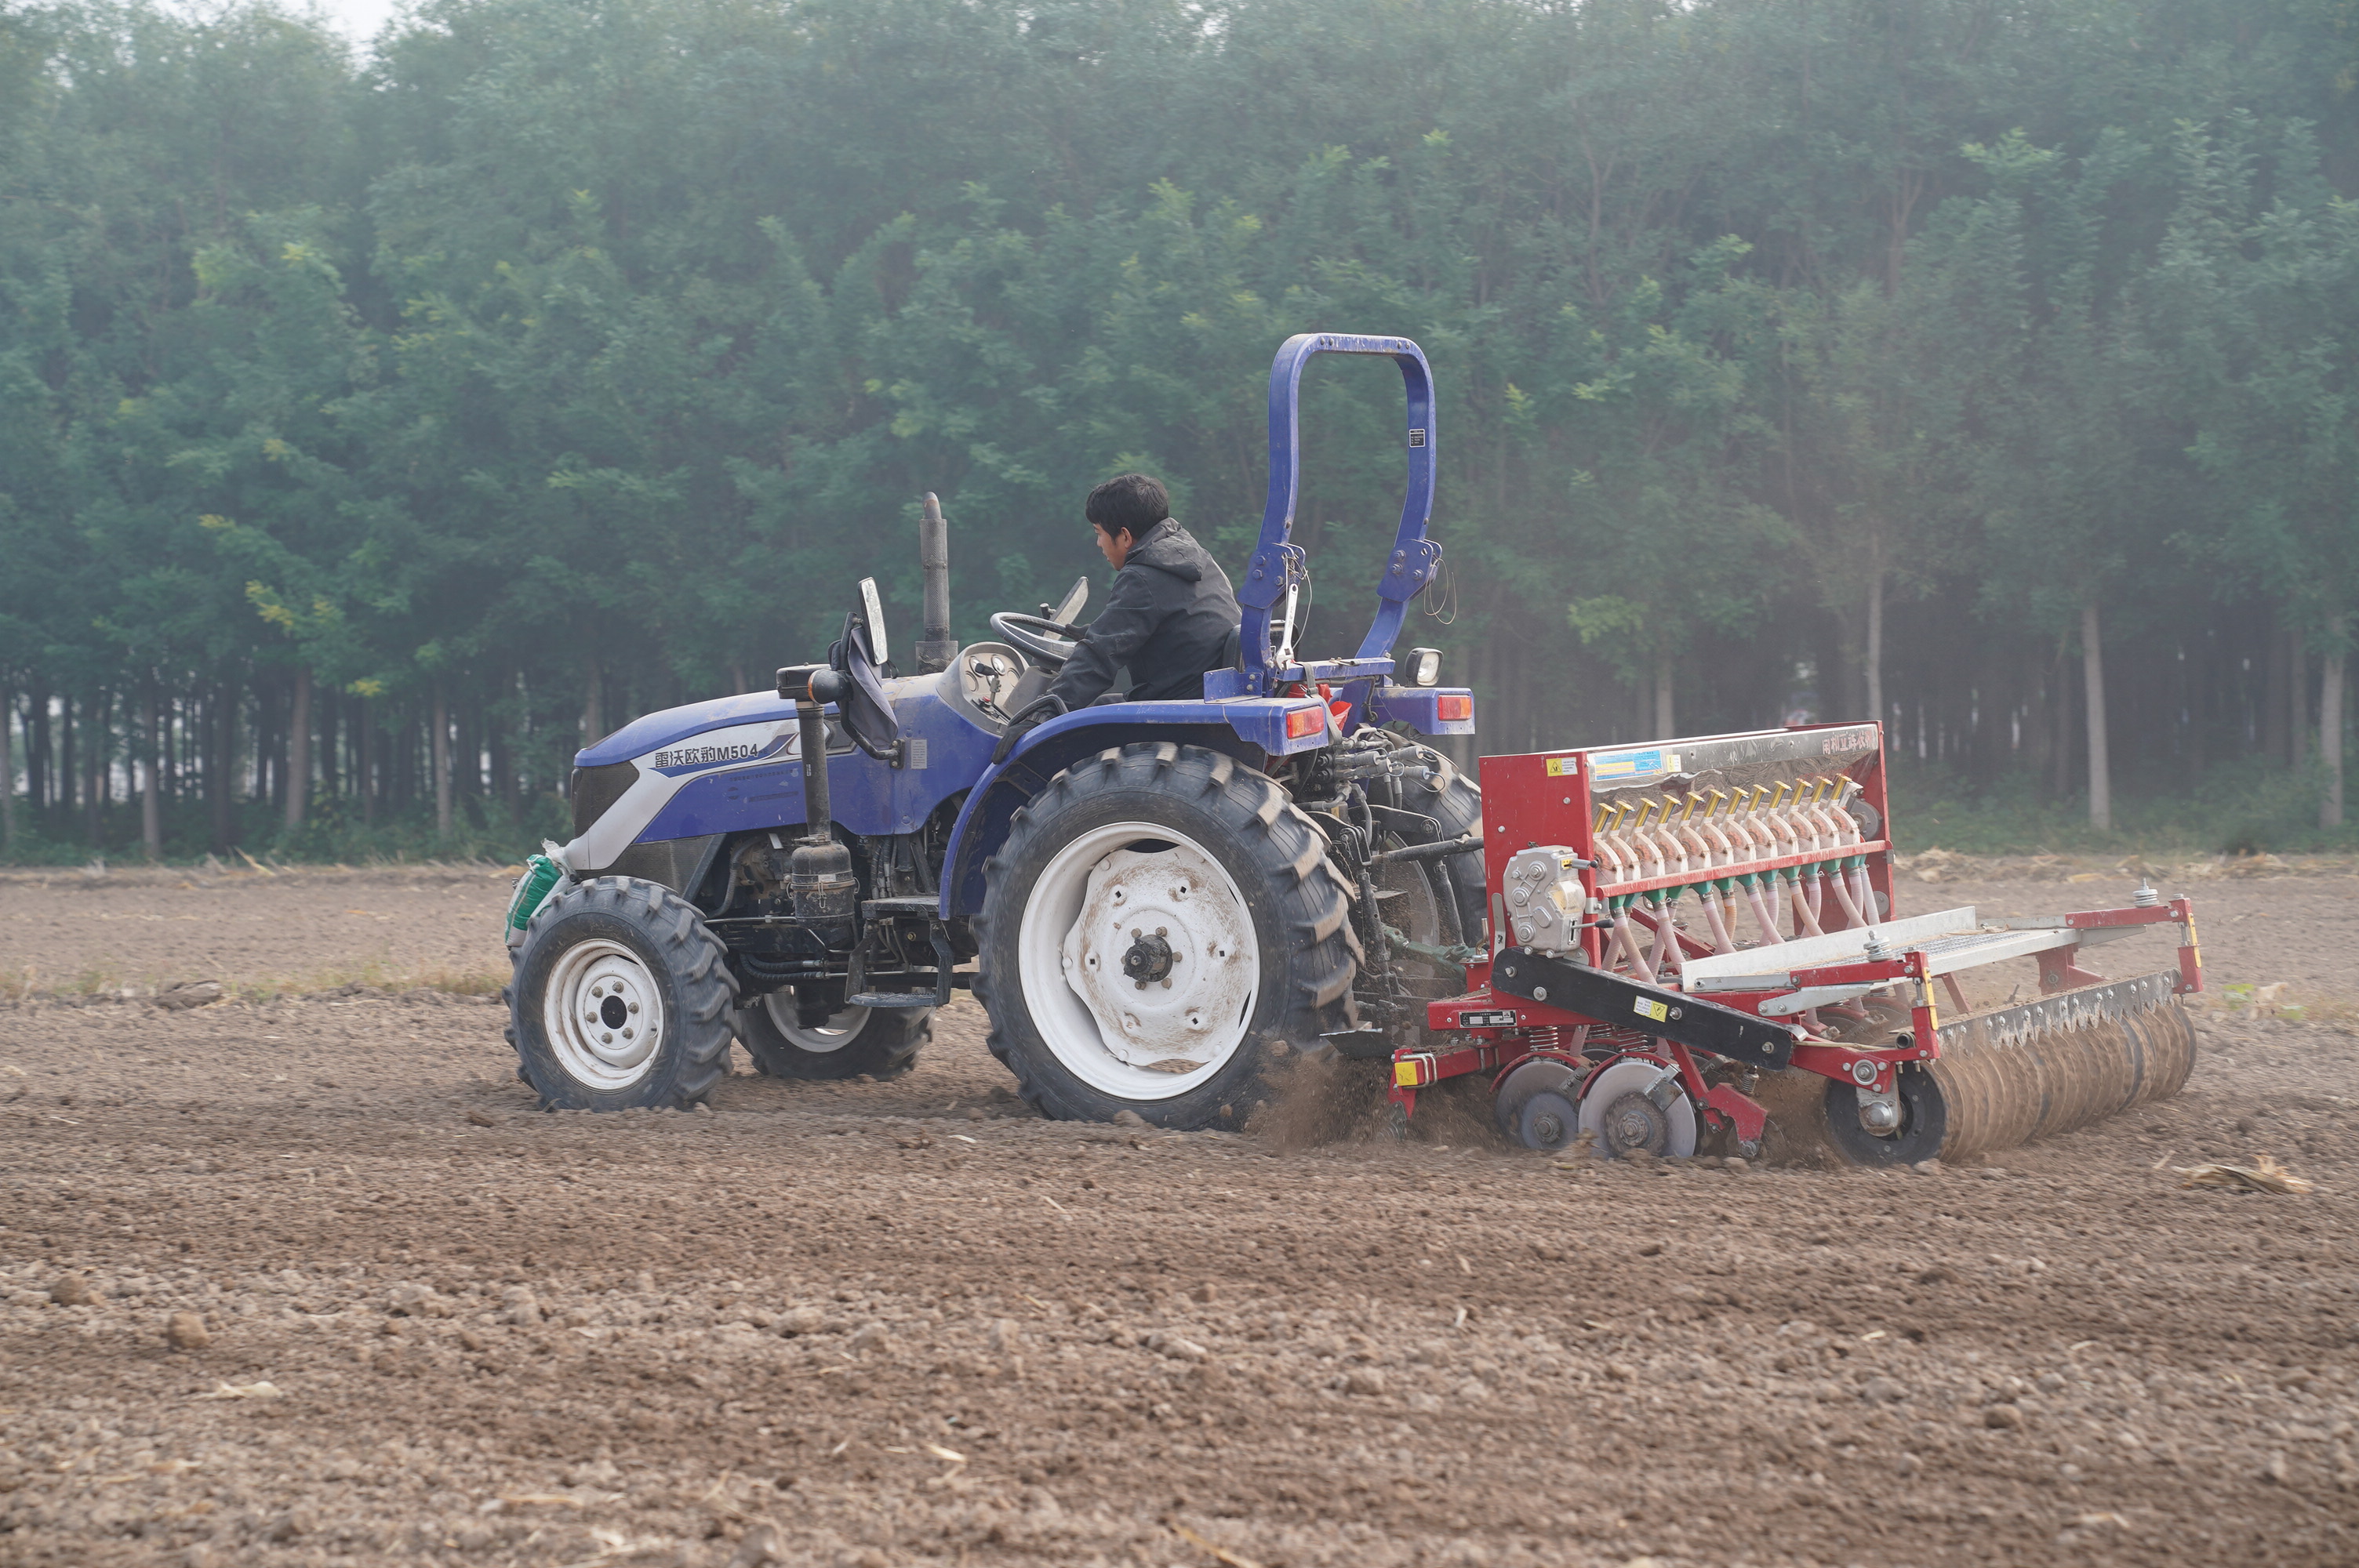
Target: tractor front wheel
1160, 917
621, 999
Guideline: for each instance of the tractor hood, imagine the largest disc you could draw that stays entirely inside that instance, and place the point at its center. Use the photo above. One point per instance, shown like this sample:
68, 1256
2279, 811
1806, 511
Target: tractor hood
734, 764
651, 731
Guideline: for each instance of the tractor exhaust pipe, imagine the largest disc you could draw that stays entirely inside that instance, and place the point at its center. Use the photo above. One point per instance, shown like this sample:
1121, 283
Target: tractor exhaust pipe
820, 877
937, 647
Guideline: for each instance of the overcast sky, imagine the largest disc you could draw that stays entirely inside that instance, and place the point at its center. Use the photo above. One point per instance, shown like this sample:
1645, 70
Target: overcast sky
359, 18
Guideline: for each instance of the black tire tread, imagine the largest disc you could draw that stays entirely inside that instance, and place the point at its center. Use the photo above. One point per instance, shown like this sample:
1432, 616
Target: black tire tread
1455, 802
694, 958
1314, 900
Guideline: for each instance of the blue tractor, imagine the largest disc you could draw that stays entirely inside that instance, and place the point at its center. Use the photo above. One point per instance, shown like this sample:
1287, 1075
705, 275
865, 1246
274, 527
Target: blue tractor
1154, 901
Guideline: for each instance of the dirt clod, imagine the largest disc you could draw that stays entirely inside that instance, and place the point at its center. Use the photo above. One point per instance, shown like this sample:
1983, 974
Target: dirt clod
759, 1545
187, 1331
71, 1290
187, 994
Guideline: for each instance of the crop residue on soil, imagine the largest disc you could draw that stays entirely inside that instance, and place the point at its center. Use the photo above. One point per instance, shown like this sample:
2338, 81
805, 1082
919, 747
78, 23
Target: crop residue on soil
308, 1282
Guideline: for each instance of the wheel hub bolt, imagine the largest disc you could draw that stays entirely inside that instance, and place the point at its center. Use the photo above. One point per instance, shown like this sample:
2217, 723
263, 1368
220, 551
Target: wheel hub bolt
1149, 958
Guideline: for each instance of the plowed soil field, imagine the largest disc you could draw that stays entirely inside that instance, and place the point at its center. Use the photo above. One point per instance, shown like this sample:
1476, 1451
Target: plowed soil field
302, 1277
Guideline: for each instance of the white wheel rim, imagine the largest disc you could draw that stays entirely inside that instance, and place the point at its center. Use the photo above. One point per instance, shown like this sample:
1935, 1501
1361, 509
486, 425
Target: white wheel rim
604, 1015
833, 1036
1097, 902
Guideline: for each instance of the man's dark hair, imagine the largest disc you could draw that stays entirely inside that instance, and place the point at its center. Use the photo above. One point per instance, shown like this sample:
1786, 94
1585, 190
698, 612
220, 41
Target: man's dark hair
1128, 503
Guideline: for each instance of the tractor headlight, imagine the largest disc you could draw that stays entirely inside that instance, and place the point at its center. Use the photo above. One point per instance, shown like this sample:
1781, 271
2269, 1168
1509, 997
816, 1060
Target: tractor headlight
595, 789
1424, 666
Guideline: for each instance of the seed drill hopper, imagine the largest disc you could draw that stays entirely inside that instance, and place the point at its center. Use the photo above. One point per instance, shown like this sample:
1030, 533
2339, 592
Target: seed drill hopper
1693, 945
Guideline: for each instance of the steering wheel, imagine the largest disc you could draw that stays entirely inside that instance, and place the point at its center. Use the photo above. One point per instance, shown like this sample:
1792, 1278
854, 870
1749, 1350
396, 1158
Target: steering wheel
1037, 635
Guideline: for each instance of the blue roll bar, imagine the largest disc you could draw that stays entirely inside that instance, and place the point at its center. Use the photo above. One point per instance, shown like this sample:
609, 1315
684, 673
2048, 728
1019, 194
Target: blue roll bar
1278, 563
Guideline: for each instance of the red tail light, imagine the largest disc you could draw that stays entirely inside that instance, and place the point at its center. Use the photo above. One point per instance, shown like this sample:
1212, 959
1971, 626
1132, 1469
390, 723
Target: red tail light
1452, 706
1302, 721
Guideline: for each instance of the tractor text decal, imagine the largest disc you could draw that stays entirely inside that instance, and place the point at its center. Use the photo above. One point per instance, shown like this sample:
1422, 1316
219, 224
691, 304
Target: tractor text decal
692, 756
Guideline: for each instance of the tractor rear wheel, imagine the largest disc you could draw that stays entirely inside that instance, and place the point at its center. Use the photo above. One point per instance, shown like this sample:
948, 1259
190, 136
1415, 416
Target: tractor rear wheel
1455, 804
882, 1042
1159, 918
621, 997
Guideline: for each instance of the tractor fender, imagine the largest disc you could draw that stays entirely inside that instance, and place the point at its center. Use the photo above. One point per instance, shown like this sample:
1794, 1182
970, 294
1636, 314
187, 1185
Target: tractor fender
1250, 730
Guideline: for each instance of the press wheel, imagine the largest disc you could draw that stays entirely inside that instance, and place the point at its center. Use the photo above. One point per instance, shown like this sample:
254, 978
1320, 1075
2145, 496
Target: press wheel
1538, 1104
1626, 1110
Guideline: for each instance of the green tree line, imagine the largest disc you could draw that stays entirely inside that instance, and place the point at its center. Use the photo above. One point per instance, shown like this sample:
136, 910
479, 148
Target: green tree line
378, 424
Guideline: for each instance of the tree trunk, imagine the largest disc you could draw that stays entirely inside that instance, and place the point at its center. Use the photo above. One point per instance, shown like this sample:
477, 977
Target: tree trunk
593, 716
368, 763
298, 747
96, 785
441, 761
37, 760
9, 775
2330, 727
269, 765
151, 788
2093, 678
2198, 698
224, 769
68, 760
498, 736
2297, 700
1665, 725
1873, 662
324, 745
2274, 705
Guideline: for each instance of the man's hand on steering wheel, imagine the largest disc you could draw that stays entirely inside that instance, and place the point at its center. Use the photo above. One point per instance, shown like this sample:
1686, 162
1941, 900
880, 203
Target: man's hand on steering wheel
1050, 642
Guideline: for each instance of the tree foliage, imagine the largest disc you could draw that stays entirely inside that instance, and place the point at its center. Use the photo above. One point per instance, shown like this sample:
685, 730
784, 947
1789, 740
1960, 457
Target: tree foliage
551, 360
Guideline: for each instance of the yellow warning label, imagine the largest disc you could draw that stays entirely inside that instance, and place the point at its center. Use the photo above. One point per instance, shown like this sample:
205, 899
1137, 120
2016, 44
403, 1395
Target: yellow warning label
1646, 1007
1563, 767
1405, 1073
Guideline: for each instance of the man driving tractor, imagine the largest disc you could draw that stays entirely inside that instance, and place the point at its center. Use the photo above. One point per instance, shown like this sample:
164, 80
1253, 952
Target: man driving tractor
1171, 616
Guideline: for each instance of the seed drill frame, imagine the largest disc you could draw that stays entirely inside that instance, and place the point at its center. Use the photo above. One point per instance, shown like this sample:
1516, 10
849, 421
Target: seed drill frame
1619, 878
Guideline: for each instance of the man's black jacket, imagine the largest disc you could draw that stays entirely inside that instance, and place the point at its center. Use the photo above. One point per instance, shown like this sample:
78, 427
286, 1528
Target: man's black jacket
1169, 619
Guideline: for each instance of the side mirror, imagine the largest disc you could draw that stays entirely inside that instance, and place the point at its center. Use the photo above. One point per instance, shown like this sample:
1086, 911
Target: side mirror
872, 610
